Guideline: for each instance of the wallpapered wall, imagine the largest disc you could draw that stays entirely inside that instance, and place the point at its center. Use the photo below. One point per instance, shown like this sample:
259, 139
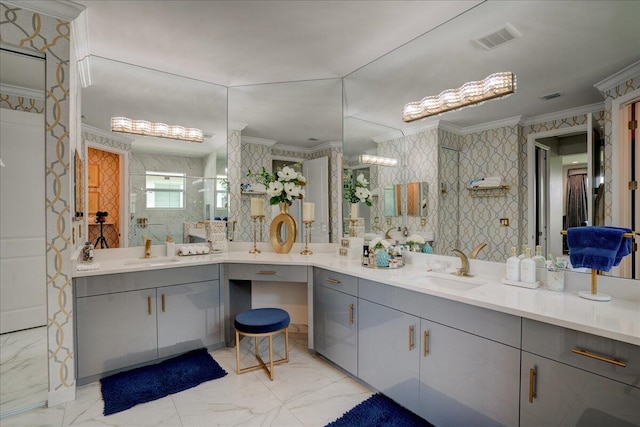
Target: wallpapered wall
20, 103
52, 36
108, 193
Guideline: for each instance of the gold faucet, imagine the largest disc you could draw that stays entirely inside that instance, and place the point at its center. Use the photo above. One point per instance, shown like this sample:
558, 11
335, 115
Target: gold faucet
387, 235
464, 268
147, 247
476, 250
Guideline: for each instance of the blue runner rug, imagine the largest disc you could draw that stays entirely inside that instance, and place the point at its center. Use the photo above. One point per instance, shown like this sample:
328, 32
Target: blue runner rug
126, 389
379, 411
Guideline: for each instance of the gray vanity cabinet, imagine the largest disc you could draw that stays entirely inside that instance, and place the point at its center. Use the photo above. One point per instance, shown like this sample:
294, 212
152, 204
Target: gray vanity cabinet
127, 319
335, 330
388, 352
467, 380
335, 318
574, 378
188, 317
115, 330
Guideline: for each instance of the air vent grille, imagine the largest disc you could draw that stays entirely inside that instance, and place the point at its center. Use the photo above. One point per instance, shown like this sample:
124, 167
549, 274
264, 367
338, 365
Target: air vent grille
498, 37
551, 96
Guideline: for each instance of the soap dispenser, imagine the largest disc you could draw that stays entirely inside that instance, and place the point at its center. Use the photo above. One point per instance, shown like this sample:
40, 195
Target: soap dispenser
527, 268
87, 252
513, 266
171, 246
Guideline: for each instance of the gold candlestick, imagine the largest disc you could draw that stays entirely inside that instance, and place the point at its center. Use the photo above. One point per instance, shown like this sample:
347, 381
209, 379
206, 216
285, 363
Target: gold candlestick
255, 249
352, 227
307, 232
261, 219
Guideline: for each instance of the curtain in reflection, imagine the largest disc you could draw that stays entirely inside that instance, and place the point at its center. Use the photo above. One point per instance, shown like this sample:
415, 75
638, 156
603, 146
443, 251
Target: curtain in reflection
576, 197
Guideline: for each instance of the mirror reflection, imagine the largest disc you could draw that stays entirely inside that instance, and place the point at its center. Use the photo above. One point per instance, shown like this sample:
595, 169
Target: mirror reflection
496, 139
150, 187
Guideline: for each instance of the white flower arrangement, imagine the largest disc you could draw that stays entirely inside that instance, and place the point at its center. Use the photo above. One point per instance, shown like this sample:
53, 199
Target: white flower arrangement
415, 239
283, 187
378, 243
359, 192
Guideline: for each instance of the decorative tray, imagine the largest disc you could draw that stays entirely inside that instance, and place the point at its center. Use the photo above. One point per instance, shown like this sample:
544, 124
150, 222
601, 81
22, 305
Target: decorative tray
211, 251
375, 267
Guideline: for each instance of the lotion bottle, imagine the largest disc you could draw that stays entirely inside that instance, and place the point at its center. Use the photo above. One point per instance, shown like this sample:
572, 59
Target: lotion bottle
527, 268
513, 266
538, 258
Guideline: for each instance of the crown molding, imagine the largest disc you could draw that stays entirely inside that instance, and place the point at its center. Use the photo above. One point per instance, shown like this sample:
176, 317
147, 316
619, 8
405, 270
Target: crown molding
23, 92
293, 148
327, 145
106, 134
387, 136
237, 125
558, 115
423, 127
84, 72
81, 46
60, 9
509, 121
621, 76
450, 127
258, 141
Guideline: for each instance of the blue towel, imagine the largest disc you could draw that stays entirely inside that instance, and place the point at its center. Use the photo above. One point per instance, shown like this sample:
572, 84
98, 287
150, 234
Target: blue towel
598, 248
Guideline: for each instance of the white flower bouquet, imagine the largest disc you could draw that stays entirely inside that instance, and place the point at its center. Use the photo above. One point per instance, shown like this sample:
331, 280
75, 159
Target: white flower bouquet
283, 187
357, 192
415, 239
378, 243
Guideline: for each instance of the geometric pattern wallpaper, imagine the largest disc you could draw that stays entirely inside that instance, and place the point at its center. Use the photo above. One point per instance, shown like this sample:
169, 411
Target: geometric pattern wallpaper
19, 103
52, 37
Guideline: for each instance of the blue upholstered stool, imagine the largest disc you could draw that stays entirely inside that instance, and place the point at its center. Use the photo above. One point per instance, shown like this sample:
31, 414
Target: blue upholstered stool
262, 322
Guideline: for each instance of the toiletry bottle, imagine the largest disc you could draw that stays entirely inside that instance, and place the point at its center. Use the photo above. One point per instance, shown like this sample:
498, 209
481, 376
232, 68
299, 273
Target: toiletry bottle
538, 258
527, 268
513, 266
171, 246
87, 252
522, 254
365, 255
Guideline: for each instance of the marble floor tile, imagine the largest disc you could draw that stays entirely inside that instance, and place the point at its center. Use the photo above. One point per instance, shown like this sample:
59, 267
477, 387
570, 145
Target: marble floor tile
307, 391
23, 369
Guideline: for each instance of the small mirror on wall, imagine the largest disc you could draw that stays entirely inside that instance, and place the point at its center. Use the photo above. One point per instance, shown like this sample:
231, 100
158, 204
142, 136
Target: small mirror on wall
393, 200
417, 199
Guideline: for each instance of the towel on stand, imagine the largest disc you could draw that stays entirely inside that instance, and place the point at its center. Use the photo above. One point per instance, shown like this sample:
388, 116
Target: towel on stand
598, 248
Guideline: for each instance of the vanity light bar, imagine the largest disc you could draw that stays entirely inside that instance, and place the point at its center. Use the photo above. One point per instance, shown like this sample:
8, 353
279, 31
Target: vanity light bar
160, 130
498, 85
377, 160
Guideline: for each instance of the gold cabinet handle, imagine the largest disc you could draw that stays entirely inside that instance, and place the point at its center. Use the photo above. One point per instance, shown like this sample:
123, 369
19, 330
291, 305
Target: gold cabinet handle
73, 235
532, 384
411, 344
149, 305
267, 272
163, 304
351, 314
611, 360
334, 281
426, 343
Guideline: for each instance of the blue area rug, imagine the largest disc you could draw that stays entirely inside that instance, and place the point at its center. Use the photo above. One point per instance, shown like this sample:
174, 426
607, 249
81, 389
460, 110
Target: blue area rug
126, 389
379, 411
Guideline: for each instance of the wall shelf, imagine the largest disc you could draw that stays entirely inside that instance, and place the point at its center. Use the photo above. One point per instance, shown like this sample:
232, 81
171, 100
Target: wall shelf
497, 191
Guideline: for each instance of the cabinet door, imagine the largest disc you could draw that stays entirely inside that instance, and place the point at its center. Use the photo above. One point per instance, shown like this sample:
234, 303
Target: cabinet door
388, 354
188, 317
568, 396
466, 379
335, 330
115, 331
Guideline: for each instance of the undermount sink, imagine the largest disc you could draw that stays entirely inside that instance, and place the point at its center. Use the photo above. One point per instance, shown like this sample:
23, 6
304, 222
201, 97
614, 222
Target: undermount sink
154, 261
447, 281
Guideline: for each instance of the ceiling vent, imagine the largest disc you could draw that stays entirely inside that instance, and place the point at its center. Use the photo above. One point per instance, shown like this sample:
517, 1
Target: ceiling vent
551, 96
498, 37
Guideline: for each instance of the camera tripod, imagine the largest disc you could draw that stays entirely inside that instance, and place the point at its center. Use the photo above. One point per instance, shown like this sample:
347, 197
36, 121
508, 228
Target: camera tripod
101, 239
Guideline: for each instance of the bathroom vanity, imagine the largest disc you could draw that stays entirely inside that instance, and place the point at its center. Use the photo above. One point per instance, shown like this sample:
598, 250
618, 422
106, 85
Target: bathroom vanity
456, 351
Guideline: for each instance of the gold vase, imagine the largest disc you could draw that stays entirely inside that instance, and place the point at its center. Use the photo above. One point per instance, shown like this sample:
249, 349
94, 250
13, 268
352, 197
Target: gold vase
283, 222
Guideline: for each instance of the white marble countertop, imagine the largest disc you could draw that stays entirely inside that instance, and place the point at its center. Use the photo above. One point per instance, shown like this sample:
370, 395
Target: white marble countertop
617, 319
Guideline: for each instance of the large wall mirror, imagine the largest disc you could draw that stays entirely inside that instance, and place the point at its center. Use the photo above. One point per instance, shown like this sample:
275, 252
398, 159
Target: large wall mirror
150, 187
292, 123
553, 42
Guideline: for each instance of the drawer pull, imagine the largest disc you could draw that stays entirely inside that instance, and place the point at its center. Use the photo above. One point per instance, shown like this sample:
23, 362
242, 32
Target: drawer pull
163, 304
351, 314
267, 272
532, 384
149, 305
426, 343
411, 344
597, 357
334, 281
